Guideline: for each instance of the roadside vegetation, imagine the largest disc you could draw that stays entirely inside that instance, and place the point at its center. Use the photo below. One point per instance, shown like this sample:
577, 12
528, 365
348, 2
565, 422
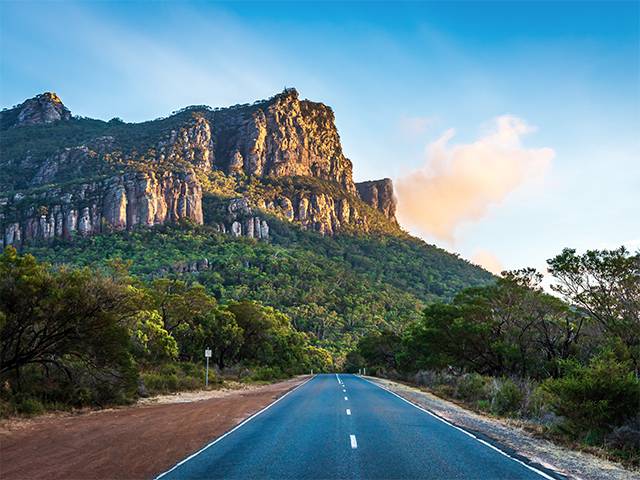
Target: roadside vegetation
72, 338
567, 364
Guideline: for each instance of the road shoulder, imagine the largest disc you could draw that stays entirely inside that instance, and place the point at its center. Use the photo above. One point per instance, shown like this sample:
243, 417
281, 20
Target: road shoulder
573, 464
140, 441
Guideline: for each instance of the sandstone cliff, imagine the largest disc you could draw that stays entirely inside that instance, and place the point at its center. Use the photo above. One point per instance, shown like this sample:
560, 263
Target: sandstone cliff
379, 194
157, 172
116, 203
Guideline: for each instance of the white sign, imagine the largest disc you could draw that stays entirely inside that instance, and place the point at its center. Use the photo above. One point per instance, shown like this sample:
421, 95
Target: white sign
207, 353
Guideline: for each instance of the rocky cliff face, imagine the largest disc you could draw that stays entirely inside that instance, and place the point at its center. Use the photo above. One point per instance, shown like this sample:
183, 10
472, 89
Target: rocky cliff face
379, 194
116, 203
157, 172
281, 137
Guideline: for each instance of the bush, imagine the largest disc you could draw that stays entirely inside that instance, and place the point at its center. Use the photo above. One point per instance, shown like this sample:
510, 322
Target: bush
595, 398
29, 406
267, 373
507, 397
175, 377
471, 387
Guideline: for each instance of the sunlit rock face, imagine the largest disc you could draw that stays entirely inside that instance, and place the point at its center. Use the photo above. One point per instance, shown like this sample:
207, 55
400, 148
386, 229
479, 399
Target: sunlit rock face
44, 108
117, 203
379, 194
125, 176
280, 137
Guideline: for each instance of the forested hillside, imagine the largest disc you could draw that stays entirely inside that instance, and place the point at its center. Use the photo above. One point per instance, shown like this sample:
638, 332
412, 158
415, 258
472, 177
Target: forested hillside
237, 228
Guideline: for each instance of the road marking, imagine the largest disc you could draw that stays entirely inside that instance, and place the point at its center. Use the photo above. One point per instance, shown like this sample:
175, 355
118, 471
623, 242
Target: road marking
338, 378
348, 412
346, 398
233, 429
354, 442
493, 447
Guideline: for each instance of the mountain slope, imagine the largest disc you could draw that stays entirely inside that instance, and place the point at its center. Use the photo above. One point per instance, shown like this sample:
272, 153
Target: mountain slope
256, 201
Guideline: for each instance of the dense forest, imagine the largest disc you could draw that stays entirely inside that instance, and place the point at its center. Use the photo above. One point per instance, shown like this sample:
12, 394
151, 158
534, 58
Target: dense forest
337, 289
77, 337
569, 362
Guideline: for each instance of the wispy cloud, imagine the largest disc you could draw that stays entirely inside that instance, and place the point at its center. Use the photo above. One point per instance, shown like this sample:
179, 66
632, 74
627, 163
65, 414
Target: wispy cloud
459, 183
412, 126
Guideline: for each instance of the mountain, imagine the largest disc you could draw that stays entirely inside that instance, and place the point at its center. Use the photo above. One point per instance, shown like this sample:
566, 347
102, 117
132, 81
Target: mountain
256, 200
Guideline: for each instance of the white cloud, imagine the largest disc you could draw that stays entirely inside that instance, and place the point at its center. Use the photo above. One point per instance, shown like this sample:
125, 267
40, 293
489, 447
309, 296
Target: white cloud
458, 183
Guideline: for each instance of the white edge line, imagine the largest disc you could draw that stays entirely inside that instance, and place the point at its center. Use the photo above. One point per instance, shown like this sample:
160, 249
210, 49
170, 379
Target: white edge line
534, 469
233, 429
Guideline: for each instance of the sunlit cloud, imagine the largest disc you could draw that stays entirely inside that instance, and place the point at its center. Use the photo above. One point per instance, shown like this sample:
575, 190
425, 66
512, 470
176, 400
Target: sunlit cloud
488, 260
459, 183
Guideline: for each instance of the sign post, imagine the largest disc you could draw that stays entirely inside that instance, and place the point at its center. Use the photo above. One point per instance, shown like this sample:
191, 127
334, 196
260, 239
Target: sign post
207, 355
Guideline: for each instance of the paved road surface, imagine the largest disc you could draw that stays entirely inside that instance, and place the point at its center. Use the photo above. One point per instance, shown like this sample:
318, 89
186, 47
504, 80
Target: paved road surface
343, 426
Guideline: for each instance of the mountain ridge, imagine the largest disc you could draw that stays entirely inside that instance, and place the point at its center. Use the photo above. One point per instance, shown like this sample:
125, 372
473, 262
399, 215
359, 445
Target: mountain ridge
158, 176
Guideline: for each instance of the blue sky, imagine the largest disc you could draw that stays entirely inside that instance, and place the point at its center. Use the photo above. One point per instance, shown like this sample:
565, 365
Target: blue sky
399, 76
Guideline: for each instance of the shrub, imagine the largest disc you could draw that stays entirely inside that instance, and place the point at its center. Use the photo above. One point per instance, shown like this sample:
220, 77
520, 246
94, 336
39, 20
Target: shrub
175, 377
507, 397
471, 387
597, 397
29, 406
267, 373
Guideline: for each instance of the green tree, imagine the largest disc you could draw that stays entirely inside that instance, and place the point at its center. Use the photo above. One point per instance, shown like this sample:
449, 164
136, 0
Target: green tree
605, 284
67, 321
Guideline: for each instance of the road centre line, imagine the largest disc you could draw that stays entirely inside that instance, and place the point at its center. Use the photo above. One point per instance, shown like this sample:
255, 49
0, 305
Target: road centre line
348, 411
354, 442
346, 398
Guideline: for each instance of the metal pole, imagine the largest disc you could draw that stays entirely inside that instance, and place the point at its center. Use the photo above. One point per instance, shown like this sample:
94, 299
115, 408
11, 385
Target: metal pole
206, 377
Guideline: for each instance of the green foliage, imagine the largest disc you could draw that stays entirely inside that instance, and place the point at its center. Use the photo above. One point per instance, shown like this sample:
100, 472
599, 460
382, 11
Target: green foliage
65, 327
595, 397
70, 337
337, 289
169, 378
605, 285
471, 387
507, 398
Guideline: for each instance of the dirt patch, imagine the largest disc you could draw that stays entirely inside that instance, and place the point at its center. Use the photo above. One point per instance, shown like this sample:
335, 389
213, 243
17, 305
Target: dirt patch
571, 463
127, 443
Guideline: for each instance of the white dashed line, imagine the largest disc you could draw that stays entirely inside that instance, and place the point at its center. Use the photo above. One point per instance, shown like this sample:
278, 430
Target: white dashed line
354, 442
346, 398
348, 412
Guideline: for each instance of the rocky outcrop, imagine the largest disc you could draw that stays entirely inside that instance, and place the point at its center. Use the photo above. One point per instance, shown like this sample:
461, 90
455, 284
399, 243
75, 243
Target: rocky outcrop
379, 194
239, 219
117, 203
319, 212
280, 137
44, 108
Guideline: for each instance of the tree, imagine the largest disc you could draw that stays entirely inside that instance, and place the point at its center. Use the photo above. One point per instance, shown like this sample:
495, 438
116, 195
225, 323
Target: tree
59, 320
604, 284
179, 302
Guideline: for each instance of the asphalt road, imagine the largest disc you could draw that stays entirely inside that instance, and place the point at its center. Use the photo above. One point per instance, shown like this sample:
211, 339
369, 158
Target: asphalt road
343, 426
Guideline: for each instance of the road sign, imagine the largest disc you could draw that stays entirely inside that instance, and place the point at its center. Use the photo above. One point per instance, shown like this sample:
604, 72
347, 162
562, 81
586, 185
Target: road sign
207, 355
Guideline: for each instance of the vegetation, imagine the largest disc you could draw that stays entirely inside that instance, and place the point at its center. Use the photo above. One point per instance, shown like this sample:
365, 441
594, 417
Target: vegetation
336, 289
508, 348
76, 337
